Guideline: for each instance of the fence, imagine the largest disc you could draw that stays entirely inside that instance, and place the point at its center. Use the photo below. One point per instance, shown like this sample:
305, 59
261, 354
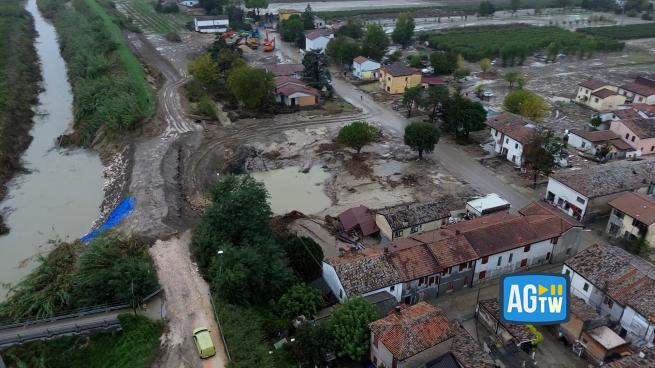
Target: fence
220, 327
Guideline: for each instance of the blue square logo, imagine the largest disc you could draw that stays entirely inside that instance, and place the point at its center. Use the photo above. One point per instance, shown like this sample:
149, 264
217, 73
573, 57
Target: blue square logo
535, 298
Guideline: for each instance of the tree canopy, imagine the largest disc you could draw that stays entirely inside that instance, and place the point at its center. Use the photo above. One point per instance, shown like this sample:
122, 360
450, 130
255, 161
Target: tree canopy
486, 9
293, 30
526, 103
352, 29
375, 42
443, 62
421, 137
350, 328
412, 96
205, 70
404, 30
342, 50
357, 134
304, 256
463, 116
300, 300
253, 88
316, 73
485, 65
308, 18
541, 152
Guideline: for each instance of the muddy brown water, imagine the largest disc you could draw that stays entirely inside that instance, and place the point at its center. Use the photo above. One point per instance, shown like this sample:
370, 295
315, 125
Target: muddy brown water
291, 189
60, 196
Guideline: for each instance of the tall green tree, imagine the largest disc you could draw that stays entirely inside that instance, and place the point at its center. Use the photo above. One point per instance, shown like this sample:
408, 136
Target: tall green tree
239, 213
435, 97
316, 73
421, 137
512, 77
293, 30
342, 50
464, 116
300, 300
540, 153
308, 17
350, 328
352, 29
205, 70
486, 9
443, 62
412, 97
304, 255
526, 103
253, 88
404, 30
357, 134
375, 42
313, 343
485, 65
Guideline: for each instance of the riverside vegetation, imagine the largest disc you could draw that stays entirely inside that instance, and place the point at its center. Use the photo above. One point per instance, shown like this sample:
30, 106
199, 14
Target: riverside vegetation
19, 88
111, 94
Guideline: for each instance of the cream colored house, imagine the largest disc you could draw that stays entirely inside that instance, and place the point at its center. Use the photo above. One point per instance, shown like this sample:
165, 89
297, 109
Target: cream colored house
599, 95
397, 78
632, 217
411, 219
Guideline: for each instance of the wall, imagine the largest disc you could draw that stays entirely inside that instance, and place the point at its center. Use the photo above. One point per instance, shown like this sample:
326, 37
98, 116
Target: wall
318, 43
455, 278
638, 329
605, 104
645, 146
514, 148
380, 354
593, 296
535, 256
566, 194
395, 85
567, 245
576, 141
417, 293
637, 98
572, 329
332, 280
386, 231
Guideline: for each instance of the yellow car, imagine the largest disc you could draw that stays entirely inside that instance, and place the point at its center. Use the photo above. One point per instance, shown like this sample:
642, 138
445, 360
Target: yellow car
204, 343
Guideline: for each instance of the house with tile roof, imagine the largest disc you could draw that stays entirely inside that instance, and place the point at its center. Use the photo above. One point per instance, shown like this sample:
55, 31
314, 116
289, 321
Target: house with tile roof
511, 134
641, 90
585, 193
397, 78
488, 312
636, 127
365, 68
632, 217
285, 70
413, 218
592, 142
413, 336
318, 39
290, 91
599, 95
640, 359
618, 285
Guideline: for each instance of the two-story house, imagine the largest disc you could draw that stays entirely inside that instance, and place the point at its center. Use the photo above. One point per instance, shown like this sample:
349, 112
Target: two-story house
397, 78
511, 134
409, 219
592, 142
318, 39
636, 128
642, 90
632, 217
620, 286
584, 193
421, 336
599, 95
366, 69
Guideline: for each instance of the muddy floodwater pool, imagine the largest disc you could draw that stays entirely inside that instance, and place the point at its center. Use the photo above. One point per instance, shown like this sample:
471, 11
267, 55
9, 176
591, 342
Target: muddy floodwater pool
291, 189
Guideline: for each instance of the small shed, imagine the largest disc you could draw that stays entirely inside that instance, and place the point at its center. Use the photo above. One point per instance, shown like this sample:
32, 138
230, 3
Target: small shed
485, 205
359, 218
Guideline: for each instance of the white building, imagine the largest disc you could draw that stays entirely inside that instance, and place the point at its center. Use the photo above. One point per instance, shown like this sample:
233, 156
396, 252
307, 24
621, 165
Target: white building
319, 22
585, 192
366, 69
318, 39
591, 142
511, 133
642, 90
619, 285
485, 205
211, 23
190, 3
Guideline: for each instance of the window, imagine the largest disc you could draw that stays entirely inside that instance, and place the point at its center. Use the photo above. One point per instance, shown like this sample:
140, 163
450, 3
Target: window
632, 139
595, 99
524, 262
431, 280
471, 264
585, 287
609, 302
414, 229
451, 287
485, 260
496, 133
392, 288
548, 256
618, 213
340, 293
568, 251
583, 144
516, 145
567, 272
526, 248
482, 275
500, 260
397, 233
581, 200
554, 240
652, 148
511, 255
462, 266
627, 135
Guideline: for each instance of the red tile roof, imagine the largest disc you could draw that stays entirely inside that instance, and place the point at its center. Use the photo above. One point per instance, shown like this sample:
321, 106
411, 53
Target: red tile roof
514, 126
593, 84
359, 216
414, 262
364, 271
637, 206
603, 93
642, 86
414, 329
542, 208
649, 110
318, 33
399, 70
360, 60
433, 81
288, 85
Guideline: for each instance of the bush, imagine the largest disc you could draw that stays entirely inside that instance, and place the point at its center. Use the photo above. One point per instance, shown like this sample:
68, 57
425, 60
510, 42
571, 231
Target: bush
207, 107
304, 256
244, 337
173, 37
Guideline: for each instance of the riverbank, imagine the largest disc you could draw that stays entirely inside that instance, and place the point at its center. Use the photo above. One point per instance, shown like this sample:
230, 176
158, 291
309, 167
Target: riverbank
19, 88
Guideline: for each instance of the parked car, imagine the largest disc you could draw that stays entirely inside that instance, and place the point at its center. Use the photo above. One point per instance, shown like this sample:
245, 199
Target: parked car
204, 343
488, 94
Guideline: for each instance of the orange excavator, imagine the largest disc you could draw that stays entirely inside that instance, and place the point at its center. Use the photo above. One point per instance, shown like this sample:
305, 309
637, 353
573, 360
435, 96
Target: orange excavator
269, 43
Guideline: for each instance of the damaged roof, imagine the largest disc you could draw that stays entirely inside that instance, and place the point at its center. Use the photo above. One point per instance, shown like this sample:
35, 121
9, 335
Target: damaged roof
364, 271
468, 352
582, 310
603, 93
413, 329
610, 178
414, 261
399, 70
408, 215
519, 332
359, 217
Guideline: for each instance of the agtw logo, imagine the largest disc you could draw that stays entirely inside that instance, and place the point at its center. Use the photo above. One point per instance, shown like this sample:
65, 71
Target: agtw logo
534, 298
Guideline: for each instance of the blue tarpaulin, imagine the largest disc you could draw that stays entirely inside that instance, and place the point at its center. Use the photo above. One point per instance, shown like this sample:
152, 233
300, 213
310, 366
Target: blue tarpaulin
124, 208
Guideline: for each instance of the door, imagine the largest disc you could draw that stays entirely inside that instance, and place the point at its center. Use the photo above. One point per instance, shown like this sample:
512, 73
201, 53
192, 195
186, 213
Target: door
293, 101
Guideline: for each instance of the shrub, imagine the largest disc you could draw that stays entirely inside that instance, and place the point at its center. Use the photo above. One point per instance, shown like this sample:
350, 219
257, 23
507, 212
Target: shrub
207, 107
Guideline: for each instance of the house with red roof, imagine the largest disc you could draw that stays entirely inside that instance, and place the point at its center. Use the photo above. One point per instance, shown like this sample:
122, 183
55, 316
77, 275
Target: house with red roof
599, 95
290, 91
636, 127
593, 142
318, 39
422, 336
365, 68
632, 217
511, 134
642, 90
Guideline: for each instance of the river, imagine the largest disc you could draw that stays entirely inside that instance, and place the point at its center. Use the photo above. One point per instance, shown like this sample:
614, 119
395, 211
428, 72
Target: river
61, 195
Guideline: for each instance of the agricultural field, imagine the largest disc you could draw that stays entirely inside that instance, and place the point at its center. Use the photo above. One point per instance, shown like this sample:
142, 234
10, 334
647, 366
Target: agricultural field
627, 32
143, 14
475, 43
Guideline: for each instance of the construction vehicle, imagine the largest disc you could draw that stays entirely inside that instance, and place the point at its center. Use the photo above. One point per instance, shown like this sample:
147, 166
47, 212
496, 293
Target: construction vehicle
269, 43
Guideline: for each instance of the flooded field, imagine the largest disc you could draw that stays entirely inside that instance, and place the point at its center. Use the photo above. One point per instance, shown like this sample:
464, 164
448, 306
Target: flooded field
291, 189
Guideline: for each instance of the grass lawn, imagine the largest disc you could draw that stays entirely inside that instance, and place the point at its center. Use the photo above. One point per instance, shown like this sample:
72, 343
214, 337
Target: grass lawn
144, 15
135, 347
132, 65
370, 87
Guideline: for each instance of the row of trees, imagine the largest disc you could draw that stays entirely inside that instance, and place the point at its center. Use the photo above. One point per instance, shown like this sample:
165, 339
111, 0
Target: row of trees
293, 29
112, 268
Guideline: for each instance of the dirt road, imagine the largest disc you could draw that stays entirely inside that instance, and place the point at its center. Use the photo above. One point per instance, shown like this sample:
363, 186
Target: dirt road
187, 306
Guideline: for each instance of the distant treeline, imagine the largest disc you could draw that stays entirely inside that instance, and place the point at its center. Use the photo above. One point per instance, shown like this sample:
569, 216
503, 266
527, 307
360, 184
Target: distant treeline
513, 43
19, 88
109, 85
631, 31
